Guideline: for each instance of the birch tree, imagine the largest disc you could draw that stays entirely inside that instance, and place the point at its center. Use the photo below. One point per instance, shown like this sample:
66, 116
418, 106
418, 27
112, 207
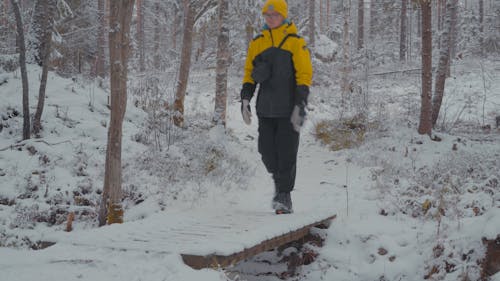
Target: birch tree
425, 125
24, 74
448, 40
119, 49
222, 64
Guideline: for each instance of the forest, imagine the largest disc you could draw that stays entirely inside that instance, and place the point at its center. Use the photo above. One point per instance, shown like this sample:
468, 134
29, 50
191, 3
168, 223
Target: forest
122, 112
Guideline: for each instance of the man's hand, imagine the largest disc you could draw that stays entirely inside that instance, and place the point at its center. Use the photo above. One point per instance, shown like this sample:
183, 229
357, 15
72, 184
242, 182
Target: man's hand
246, 113
298, 117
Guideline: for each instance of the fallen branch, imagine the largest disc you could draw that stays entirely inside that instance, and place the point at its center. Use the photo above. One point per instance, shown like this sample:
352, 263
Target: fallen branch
23, 143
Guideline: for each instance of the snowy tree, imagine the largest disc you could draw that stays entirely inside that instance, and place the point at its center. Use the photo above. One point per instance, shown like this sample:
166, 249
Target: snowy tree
222, 64
5, 11
193, 10
425, 124
119, 46
44, 22
402, 37
346, 68
448, 41
140, 35
361, 25
187, 45
24, 73
249, 12
312, 28
101, 40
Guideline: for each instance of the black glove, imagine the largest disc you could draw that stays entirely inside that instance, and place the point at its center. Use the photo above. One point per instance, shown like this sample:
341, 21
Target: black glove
247, 91
301, 95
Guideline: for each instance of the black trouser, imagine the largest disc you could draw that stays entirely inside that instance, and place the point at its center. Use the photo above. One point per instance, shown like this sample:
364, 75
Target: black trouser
278, 146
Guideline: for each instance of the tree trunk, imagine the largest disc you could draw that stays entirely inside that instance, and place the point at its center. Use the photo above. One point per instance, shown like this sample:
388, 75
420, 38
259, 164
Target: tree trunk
321, 17
328, 15
140, 34
48, 7
119, 48
439, 16
419, 22
5, 17
101, 40
203, 42
425, 126
222, 65
402, 38
157, 31
24, 74
187, 44
311, 22
373, 20
175, 30
481, 27
346, 69
453, 35
444, 58
361, 25
36, 40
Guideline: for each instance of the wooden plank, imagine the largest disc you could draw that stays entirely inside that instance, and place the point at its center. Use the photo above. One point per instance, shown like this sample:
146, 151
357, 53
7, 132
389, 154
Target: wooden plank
216, 261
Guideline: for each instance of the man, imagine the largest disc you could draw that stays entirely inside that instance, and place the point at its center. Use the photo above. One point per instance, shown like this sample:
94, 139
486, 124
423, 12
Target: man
279, 61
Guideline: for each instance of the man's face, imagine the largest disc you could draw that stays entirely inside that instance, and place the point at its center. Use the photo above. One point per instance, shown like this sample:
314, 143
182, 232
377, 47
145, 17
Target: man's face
273, 19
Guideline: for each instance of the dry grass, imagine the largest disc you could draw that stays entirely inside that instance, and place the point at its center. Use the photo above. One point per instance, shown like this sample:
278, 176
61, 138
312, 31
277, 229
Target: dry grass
338, 134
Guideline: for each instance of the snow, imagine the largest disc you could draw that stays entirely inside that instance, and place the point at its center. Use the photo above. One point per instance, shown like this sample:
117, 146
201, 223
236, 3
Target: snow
377, 190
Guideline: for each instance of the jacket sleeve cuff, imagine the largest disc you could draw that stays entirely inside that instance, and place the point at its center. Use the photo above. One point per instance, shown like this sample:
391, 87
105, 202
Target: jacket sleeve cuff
247, 91
301, 95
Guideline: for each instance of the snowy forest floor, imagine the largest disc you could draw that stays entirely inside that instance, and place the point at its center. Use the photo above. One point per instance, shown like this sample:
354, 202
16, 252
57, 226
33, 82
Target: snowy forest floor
407, 207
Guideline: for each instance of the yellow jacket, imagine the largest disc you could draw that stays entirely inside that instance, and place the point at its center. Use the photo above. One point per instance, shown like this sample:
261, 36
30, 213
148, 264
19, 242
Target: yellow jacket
294, 44
279, 61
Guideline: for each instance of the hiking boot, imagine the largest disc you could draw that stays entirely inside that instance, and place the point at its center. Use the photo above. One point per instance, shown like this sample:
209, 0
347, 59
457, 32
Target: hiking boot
282, 203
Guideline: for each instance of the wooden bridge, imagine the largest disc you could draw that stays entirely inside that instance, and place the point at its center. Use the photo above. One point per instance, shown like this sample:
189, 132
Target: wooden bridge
235, 234
205, 238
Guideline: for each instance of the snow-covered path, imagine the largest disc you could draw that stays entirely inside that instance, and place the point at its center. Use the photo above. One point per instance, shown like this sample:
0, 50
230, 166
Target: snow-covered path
149, 249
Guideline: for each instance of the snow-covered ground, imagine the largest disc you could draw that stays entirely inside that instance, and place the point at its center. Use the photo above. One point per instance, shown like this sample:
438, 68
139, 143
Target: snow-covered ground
404, 204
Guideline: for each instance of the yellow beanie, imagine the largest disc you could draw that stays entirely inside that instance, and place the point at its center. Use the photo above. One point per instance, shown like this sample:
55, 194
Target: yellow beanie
279, 6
